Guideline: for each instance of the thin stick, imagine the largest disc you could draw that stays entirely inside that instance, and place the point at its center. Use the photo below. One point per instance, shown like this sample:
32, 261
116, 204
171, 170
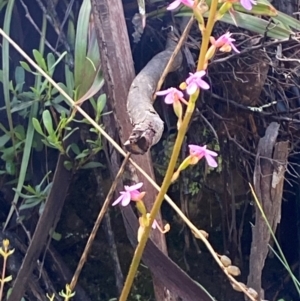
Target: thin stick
176, 50
97, 224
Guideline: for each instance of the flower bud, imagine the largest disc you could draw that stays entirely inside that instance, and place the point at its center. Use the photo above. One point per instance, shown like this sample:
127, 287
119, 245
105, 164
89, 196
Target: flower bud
141, 207
225, 260
223, 10
175, 176
233, 270
138, 197
177, 106
210, 52
166, 228
183, 86
225, 48
252, 292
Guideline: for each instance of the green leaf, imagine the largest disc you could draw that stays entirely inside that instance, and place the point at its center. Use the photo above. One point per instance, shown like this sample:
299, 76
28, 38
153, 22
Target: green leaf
30, 204
20, 132
20, 75
68, 165
22, 106
25, 66
47, 121
37, 126
257, 25
288, 21
30, 189
4, 139
60, 109
70, 133
10, 167
50, 62
56, 236
92, 165
83, 154
39, 59
101, 102
81, 42
75, 148
260, 9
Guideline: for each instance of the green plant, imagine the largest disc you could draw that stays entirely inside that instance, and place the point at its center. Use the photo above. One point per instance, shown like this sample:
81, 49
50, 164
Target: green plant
5, 252
43, 103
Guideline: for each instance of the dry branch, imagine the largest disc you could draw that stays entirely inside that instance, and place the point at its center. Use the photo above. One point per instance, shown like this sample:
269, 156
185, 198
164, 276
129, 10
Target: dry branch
147, 125
268, 180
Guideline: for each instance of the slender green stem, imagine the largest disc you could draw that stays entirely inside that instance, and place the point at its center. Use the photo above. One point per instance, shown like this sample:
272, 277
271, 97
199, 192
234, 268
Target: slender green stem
207, 33
6, 69
29, 133
177, 147
156, 206
3, 277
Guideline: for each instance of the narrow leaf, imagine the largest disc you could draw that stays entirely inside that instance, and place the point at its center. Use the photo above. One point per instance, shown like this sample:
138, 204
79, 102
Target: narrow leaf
39, 59
37, 126
47, 120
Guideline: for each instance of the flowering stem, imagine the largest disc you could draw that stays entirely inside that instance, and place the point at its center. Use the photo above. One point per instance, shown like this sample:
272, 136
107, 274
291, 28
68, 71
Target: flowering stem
206, 33
3, 277
171, 167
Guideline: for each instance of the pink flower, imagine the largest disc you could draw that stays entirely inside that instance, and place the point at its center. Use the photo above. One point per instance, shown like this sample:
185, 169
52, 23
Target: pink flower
248, 4
199, 152
176, 3
155, 224
172, 95
130, 193
195, 81
224, 42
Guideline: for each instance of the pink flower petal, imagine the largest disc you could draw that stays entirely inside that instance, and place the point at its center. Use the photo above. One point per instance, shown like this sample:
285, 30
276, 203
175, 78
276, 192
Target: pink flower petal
118, 200
163, 92
190, 78
211, 153
155, 224
134, 195
172, 94
169, 99
211, 161
234, 48
196, 148
126, 199
200, 73
200, 151
174, 5
133, 187
203, 84
189, 3
247, 4
191, 88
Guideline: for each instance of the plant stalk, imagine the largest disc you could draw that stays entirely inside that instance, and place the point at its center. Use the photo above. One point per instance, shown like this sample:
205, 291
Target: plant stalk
177, 147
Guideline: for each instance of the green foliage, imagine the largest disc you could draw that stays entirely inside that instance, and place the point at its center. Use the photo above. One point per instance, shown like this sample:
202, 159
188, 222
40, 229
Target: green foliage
34, 196
44, 118
282, 26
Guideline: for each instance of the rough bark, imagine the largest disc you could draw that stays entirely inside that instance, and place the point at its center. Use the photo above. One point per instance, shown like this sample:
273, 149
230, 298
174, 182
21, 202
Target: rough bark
269, 172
